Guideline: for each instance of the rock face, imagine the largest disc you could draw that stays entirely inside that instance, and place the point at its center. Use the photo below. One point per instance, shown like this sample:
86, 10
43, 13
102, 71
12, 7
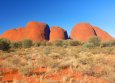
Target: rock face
57, 33
34, 30
83, 31
102, 34
37, 31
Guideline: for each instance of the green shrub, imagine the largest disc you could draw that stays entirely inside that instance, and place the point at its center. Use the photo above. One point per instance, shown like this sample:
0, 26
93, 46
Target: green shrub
4, 44
16, 44
95, 41
58, 43
88, 45
27, 43
73, 43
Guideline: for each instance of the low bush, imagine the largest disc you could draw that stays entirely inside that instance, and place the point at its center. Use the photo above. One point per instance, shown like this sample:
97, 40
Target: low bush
96, 41
58, 43
16, 44
4, 44
88, 45
73, 43
27, 43
36, 44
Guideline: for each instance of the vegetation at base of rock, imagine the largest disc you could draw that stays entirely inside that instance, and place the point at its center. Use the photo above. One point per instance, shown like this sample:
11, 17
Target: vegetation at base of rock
16, 44
58, 43
26, 43
94, 41
4, 44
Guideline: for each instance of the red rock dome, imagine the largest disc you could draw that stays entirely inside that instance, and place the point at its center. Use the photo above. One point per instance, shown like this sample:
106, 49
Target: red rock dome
10, 34
37, 31
82, 32
104, 36
57, 33
34, 30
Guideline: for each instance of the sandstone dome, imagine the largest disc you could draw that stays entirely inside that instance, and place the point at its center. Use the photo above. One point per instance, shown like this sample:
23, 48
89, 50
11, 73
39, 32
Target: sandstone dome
82, 32
57, 33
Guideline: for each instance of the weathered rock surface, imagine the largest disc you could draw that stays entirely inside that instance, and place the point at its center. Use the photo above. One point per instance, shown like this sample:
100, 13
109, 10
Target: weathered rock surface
83, 31
34, 30
104, 36
57, 33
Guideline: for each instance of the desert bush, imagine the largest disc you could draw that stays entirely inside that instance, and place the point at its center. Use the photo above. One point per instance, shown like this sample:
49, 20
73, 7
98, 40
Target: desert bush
73, 43
36, 44
27, 43
58, 43
88, 45
94, 40
108, 43
16, 44
4, 44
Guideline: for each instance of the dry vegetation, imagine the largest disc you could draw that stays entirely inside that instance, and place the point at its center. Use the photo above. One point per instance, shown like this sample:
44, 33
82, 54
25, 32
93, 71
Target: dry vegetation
98, 62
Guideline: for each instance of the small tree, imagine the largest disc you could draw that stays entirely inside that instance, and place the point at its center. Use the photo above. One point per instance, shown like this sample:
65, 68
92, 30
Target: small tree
27, 43
4, 44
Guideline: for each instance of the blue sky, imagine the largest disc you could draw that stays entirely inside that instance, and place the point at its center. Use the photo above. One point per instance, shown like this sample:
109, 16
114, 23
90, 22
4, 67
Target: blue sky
63, 13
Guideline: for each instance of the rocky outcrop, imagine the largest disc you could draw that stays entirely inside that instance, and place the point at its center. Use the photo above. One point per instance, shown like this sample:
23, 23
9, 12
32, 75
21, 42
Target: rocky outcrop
83, 31
104, 36
37, 31
34, 30
57, 33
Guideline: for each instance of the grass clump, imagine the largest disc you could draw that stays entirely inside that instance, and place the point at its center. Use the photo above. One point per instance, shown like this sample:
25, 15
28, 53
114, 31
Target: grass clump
108, 43
4, 44
27, 43
16, 44
73, 43
58, 43
94, 41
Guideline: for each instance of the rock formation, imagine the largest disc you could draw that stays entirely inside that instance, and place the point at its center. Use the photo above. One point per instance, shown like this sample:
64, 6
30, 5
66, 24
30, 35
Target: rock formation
57, 33
102, 34
37, 31
34, 30
82, 32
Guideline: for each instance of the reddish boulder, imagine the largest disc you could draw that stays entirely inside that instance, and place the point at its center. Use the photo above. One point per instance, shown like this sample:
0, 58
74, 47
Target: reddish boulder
57, 33
104, 36
34, 30
10, 34
82, 32
37, 31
